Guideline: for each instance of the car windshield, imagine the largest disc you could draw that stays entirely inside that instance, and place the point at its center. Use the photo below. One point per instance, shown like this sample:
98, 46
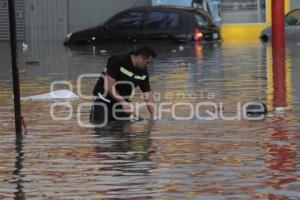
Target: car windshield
293, 18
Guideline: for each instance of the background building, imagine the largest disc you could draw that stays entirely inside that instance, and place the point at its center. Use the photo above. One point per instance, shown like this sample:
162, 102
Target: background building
4, 23
246, 18
239, 18
53, 19
295, 3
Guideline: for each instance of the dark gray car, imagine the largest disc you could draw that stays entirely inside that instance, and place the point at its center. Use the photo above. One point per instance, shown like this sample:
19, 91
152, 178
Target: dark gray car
149, 23
292, 27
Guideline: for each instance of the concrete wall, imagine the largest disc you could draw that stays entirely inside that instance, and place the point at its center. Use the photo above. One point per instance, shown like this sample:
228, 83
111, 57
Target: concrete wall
295, 4
89, 13
53, 19
4, 19
46, 19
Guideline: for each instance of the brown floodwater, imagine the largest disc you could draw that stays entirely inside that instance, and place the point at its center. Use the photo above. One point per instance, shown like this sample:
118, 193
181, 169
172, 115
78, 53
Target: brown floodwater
164, 159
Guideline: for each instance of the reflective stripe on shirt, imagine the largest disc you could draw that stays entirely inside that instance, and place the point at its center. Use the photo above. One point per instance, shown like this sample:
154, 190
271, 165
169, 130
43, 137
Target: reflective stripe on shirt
131, 74
140, 77
126, 72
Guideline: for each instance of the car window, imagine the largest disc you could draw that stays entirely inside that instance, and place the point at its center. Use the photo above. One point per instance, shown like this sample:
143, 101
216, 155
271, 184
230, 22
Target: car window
293, 18
201, 21
127, 21
161, 20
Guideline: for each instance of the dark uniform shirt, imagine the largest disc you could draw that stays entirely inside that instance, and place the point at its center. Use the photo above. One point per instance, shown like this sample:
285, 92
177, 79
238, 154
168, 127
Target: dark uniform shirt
121, 69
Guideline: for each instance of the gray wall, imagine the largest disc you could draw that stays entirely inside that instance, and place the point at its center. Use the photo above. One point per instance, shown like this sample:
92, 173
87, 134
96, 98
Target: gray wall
53, 19
4, 21
295, 3
46, 19
89, 13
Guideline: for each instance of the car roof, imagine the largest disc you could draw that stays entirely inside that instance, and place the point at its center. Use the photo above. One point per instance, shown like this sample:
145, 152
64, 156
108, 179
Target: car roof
293, 10
170, 8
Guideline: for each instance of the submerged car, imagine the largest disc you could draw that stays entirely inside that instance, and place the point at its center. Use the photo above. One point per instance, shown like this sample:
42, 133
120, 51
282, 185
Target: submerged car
292, 27
151, 22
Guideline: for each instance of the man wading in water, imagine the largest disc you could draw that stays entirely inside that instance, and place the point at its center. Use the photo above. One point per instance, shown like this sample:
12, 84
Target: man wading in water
113, 89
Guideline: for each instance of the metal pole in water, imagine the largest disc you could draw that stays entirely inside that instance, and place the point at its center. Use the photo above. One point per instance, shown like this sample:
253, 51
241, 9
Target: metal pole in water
278, 25
279, 57
15, 70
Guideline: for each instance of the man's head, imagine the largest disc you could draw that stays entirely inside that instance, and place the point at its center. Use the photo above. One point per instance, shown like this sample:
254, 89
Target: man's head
143, 57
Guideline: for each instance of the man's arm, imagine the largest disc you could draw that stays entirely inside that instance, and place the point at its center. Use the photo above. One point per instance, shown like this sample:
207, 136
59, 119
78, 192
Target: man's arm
109, 86
148, 97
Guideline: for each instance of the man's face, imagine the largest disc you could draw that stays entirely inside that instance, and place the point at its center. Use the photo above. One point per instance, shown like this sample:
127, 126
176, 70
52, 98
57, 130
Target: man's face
144, 62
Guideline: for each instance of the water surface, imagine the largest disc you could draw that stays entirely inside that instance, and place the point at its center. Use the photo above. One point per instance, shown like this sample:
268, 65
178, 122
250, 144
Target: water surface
165, 159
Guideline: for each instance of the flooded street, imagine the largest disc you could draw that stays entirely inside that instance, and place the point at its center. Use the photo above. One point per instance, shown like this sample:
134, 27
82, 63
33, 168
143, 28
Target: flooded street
165, 159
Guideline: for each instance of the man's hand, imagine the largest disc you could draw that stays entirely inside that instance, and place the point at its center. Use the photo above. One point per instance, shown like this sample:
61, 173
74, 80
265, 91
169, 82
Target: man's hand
148, 97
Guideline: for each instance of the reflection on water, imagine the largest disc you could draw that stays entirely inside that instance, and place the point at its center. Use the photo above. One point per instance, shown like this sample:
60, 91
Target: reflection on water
166, 159
17, 174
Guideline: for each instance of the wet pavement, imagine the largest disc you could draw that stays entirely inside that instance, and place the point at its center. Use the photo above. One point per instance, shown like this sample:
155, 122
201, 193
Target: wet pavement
165, 159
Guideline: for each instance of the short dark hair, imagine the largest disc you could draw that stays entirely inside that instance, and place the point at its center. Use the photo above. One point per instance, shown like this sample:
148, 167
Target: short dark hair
144, 51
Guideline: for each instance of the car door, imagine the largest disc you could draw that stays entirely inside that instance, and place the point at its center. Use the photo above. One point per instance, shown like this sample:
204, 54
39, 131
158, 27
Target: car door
125, 26
292, 25
160, 24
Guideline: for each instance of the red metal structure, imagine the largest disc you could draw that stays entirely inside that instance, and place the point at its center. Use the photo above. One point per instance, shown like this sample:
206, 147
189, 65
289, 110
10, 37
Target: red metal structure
278, 24
278, 50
